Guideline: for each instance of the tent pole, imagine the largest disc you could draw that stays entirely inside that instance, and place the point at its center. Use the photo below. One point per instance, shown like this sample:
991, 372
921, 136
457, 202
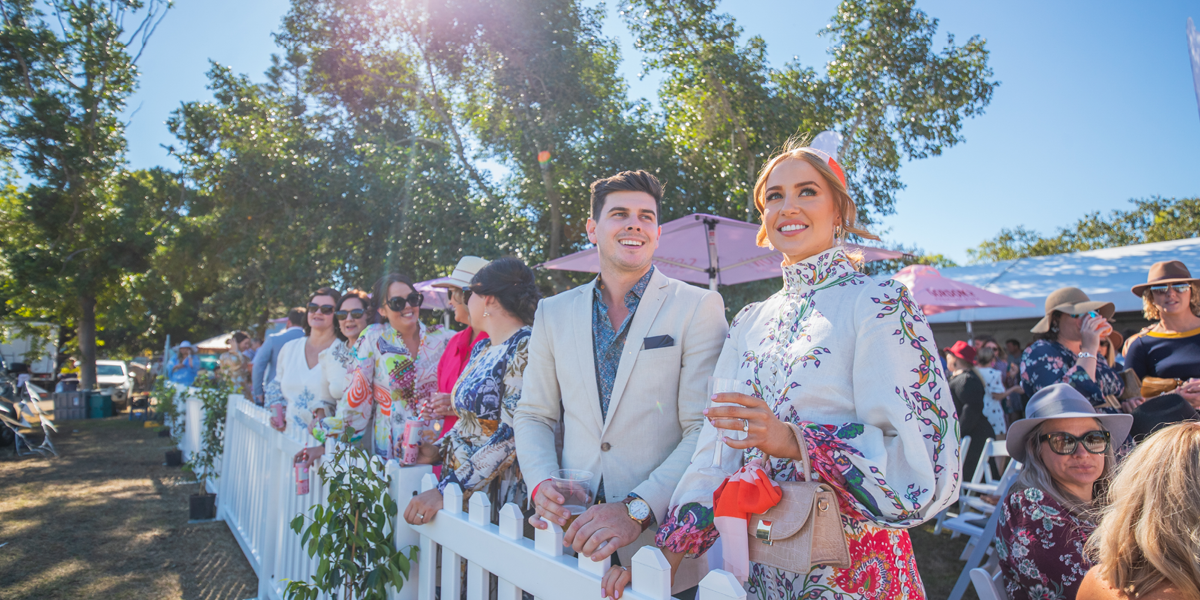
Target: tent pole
969, 330
714, 261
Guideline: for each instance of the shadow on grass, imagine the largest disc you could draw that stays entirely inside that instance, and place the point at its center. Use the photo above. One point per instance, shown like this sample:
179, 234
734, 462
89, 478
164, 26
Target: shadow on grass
106, 521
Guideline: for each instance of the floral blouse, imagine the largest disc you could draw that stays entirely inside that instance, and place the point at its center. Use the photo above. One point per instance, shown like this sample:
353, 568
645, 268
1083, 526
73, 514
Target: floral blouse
852, 362
235, 370
480, 451
1045, 363
1040, 547
386, 386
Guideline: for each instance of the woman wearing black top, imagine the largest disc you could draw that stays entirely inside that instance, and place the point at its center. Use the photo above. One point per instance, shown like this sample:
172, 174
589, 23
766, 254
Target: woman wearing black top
1170, 348
967, 390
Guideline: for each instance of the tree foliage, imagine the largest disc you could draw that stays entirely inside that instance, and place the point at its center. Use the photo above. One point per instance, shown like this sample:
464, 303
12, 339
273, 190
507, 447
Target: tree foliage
1150, 220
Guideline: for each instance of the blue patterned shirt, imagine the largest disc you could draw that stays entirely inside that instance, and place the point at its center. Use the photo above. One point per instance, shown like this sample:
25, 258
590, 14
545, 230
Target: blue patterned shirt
608, 343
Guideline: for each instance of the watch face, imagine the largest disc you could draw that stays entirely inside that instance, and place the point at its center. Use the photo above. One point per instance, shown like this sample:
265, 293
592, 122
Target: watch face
638, 509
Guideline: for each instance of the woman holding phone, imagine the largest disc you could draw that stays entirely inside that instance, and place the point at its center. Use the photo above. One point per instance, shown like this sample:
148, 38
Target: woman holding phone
1069, 348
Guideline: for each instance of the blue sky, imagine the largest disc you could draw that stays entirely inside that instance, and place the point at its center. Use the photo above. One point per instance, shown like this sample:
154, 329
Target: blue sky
1096, 103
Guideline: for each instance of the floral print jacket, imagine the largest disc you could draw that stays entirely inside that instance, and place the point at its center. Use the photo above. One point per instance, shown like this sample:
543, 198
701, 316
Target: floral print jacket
1040, 547
852, 362
480, 450
386, 386
1046, 363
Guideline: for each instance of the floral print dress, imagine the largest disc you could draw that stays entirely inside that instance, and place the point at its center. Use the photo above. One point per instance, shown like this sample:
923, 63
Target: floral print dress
387, 385
480, 452
1040, 547
1046, 363
852, 363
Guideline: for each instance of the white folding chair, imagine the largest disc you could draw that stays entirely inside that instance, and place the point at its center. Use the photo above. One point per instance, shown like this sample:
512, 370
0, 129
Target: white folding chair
983, 541
987, 585
982, 481
972, 509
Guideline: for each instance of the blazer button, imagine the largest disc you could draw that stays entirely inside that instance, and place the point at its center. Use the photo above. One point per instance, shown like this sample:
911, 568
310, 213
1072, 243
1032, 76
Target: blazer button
605, 447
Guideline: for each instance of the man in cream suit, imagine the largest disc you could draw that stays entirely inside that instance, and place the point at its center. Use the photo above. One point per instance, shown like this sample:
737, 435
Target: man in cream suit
624, 362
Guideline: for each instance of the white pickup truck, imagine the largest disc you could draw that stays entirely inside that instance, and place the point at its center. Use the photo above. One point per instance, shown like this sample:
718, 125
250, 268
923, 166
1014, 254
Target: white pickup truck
32, 344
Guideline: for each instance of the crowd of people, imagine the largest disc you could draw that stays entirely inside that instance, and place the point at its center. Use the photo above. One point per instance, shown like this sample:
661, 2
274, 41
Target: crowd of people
617, 379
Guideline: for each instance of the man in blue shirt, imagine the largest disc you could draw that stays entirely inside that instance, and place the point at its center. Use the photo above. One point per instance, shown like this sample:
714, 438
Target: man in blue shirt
268, 353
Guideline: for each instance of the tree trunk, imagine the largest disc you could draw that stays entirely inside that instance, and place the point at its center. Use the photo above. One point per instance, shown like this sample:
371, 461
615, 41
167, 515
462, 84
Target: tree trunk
87, 342
751, 177
554, 201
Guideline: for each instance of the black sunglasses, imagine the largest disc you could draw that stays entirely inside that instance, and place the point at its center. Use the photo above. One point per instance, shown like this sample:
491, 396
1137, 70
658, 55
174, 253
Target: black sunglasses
414, 299
1065, 444
466, 292
357, 313
326, 309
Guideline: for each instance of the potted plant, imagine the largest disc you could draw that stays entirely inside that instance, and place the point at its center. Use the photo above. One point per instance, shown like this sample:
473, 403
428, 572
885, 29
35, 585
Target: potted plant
214, 397
165, 396
351, 535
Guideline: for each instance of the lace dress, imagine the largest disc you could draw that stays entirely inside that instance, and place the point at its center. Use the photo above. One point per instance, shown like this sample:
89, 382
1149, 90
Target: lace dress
852, 362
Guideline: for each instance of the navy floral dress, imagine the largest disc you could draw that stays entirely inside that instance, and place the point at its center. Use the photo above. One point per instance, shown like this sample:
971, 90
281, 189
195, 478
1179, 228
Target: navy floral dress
480, 452
1046, 363
1040, 547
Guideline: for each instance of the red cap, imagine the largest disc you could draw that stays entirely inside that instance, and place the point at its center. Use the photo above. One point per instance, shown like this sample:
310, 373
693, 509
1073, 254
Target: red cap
962, 350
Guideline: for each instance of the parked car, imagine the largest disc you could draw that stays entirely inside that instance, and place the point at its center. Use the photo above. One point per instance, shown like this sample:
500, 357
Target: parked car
114, 375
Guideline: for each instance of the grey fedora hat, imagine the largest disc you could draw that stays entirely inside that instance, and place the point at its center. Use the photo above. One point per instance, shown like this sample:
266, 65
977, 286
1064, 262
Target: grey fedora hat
1061, 401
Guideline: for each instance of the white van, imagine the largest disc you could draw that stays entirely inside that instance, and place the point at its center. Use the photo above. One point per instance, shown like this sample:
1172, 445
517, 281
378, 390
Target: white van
114, 375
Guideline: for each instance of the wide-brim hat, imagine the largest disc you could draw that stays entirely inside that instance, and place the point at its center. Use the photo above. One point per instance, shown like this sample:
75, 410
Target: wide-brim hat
1159, 412
1164, 273
463, 272
185, 344
1061, 401
1072, 301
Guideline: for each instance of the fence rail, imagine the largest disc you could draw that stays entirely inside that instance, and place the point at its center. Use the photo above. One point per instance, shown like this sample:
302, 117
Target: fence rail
256, 497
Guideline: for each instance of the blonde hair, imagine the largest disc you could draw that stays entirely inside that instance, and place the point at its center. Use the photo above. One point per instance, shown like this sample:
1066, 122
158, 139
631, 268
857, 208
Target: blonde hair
795, 148
1149, 534
1036, 475
1150, 309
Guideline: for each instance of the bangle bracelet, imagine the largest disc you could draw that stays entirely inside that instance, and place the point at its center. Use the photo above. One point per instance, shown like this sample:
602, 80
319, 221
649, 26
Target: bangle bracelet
1085, 355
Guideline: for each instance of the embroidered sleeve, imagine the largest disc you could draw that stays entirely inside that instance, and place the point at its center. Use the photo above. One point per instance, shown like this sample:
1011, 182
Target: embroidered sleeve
898, 465
474, 466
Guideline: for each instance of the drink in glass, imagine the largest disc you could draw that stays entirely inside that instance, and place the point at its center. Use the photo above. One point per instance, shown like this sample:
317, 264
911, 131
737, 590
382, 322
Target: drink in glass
725, 385
575, 485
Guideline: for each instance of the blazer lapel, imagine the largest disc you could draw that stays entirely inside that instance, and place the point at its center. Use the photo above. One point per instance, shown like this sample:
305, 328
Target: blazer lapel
585, 350
647, 310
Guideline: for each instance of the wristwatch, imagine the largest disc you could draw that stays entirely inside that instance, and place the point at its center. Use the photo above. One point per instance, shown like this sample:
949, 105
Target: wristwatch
639, 511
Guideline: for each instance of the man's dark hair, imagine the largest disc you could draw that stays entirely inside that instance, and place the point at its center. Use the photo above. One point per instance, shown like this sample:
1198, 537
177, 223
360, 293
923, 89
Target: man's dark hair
298, 316
626, 181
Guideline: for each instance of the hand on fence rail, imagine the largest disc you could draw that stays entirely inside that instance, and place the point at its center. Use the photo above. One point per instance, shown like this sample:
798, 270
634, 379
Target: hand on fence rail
612, 585
423, 507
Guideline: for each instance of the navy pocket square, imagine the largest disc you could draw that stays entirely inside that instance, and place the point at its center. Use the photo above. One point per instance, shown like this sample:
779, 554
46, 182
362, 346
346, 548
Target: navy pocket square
658, 341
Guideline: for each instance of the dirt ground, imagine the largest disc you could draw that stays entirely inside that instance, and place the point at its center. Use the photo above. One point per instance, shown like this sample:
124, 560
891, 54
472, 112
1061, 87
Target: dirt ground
106, 521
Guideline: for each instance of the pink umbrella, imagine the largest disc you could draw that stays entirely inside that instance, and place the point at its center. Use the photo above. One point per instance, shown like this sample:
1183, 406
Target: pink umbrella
937, 294
708, 249
436, 298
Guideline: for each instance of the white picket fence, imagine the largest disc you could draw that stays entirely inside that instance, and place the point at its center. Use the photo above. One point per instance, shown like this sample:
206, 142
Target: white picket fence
256, 497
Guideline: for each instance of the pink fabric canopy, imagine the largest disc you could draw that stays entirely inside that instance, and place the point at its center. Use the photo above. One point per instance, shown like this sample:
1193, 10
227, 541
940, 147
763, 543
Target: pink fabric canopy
937, 294
436, 298
707, 249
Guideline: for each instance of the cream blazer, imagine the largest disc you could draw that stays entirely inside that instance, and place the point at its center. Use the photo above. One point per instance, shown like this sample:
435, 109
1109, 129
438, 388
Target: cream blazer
655, 413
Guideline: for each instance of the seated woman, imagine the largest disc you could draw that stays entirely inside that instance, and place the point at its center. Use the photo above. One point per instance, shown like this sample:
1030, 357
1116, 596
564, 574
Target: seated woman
480, 453
1068, 351
1067, 449
1146, 546
1169, 349
299, 385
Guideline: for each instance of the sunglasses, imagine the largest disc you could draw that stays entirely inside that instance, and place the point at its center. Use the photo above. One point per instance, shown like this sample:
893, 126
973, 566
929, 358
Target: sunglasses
1065, 444
357, 313
1091, 313
1179, 288
466, 294
326, 309
398, 303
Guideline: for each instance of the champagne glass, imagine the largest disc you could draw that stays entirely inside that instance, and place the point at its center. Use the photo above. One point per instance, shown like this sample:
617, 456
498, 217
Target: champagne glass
725, 385
576, 487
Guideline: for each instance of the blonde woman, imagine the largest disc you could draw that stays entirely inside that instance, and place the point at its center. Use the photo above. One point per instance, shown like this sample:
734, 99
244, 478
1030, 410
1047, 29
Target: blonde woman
843, 364
1148, 543
1170, 348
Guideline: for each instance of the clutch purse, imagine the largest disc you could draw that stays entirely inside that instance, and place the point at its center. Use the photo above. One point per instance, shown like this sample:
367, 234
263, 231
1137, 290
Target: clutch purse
1156, 386
804, 529
1133, 385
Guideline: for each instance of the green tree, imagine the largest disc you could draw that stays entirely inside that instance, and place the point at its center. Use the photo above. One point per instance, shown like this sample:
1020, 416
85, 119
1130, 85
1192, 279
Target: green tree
66, 70
1150, 220
889, 89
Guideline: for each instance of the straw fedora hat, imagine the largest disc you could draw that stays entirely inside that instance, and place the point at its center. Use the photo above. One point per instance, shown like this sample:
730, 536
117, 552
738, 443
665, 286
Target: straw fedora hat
1061, 401
463, 272
1072, 301
1164, 273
